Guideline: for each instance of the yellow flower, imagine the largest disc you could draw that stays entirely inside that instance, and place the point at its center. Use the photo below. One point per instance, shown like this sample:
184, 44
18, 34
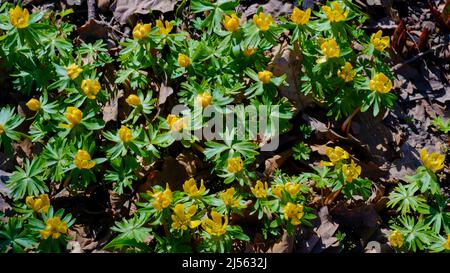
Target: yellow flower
90, 88
347, 73
292, 188
54, 228
204, 99
141, 31
300, 17
277, 190
214, 226
262, 21
83, 160
2, 129
162, 198
260, 189
351, 171
73, 71
190, 187
379, 42
182, 220
183, 60
133, 100
125, 134
33, 105
19, 17
228, 198
396, 239
249, 51
330, 49
231, 23
293, 212
335, 13
433, 161
74, 116
446, 244
234, 164
165, 28
380, 83
265, 76
335, 155
176, 124
40, 203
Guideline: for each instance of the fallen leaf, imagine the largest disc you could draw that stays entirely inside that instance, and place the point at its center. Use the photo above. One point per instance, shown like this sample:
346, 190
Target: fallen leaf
124, 9
92, 30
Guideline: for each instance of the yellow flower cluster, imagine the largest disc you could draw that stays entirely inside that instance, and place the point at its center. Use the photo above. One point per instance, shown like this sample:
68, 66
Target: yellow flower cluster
133, 100
433, 161
183, 60
191, 189
39, 203
300, 17
73, 71
265, 76
351, 171
229, 199
335, 155
446, 244
54, 228
231, 23
396, 239
2, 129
182, 219
262, 21
336, 12
260, 189
162, 199
83, 160
19, 17
292, 188
125, 134
347, 73
90, 88
249, 51
293, 212
164, 28
141, 31
380, 43
234, 165
33, 105
176, 124
215, 226
204, 99
330, 49
380, 83
74, 116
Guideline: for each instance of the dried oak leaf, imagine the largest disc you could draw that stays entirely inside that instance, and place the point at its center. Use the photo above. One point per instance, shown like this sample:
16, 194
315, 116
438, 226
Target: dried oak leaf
123, 9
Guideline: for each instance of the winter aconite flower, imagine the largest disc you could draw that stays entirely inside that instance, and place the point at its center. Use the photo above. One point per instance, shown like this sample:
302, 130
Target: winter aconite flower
176, 124
335, 155
231, 23
83, 160
262, 21
73, 71
215, 226
182, 219
300, 17
292, 188
90, 88
380, 83
446, 244
265, 76
125, 134
228, 198
183, 60
133, 100
260, 189
204, 99
33, 105
164, 28
141, 31
346, 72
330, 49
249, 51
335, 13
293, 212
19, 17
277, 190
433, 161
74, 116
162, 199
191, 189
351, 171
39, 203
2, 129
396, 239
380, 43
234, 164
54, 228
